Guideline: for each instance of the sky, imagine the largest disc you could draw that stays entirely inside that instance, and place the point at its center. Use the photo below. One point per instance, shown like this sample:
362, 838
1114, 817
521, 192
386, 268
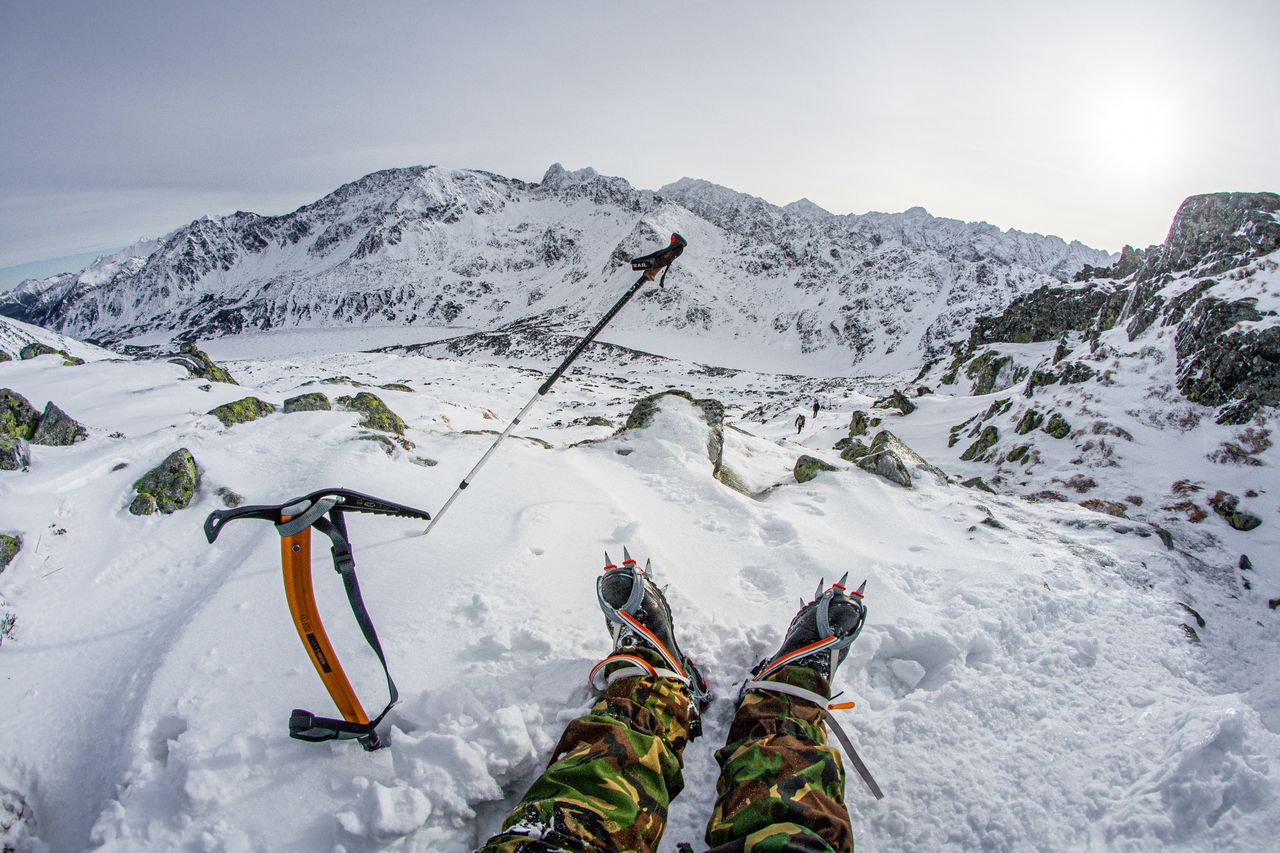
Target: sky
1088, 120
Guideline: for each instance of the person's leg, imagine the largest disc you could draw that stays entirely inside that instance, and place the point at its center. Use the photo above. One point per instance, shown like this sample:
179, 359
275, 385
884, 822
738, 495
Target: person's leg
616, 769
612, 776
781, 786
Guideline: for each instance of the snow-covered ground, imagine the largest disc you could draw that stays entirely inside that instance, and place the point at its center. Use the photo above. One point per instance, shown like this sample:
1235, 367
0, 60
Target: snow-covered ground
1023, 684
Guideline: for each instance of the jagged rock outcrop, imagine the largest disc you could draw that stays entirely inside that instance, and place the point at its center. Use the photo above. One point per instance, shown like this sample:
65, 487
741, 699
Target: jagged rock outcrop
889, 457
200, 366
58, 429
15, 455
896, 400
168, 487
1238, 370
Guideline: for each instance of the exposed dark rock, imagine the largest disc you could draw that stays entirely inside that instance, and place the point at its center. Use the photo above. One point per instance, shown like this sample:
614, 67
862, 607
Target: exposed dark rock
58, 429
854, 450
1048, 313
9, 548
313, 401
396, 386
993, 522
1239, 371
1031, 419
169, 486
1130, 262
35, 349
591, 421
896, 400
1017, 453
990, 435
242, 411
992, 371
15, 455
1219, 231
857, 424
200, 366
978, 483
229, 498
18, 418
890, 458
376, 414
1165, 536
1227, 505
1058, 427
1245, 563
1114, 508
4, 356
807, 467
712, 412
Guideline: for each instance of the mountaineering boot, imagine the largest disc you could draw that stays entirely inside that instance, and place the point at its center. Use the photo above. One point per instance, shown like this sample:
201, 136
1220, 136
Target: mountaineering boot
639, 620
821, 633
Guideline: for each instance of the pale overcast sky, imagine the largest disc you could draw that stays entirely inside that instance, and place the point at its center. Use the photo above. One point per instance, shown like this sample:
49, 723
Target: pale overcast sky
1089, 120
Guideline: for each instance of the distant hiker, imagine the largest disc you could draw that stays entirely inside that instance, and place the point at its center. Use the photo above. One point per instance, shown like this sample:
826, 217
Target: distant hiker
815, 410
799, 423
615, 770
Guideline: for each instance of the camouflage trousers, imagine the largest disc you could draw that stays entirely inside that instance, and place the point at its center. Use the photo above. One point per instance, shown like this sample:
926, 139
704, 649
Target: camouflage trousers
616, 770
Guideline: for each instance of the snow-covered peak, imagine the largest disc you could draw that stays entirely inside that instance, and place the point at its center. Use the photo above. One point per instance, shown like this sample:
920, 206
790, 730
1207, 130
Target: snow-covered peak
807, 209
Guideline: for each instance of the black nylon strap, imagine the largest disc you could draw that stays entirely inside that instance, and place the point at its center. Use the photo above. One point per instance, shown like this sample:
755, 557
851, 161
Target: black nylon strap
304, 725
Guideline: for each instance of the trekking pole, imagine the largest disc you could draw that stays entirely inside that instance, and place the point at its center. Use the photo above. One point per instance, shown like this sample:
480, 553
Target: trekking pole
650, 264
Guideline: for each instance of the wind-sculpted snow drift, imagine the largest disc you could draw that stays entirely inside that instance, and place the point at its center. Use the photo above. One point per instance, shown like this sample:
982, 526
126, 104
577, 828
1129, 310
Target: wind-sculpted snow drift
430, 246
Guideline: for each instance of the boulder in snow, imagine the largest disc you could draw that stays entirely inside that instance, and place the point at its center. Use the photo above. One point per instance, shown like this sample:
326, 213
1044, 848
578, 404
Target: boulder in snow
15, 455
376, 414
9, 548
312, 402
58, 429
18, 418
200, 366
890, 458
168, 487
242, 411
807, 467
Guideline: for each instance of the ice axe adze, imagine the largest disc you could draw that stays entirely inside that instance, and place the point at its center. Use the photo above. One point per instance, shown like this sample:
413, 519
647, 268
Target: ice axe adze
650, 265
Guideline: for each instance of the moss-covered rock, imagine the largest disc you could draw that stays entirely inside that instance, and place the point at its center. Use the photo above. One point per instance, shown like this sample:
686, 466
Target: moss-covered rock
854, 450
591, 421
1031, 419
4, 356
9, 548
310, 402
990, 435
890, 458
15, 455
896, 400
18, 418
376, 413
168, 487
35, 350
978, 483
1017, 453
807, 467
990, 372
58, 429
200, 366
396, 386
1058, 427
242, 411
643, 411
857, 424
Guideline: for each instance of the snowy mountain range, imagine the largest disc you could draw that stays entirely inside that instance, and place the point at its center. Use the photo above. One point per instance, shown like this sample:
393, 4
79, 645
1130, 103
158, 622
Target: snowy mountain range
435, 247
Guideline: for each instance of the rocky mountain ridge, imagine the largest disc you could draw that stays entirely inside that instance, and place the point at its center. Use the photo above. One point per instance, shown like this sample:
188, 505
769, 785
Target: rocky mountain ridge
438, 247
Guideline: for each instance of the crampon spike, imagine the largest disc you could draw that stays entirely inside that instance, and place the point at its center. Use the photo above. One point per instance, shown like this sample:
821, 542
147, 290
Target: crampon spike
862, 588
647, 563
607, 561
818, 592
626, 555
844, 579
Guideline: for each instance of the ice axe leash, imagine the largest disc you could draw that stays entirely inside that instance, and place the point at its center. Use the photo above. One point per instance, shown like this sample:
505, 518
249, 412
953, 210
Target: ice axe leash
650, 265
324, 510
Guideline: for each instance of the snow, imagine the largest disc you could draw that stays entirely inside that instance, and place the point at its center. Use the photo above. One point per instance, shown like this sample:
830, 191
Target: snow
1027, 686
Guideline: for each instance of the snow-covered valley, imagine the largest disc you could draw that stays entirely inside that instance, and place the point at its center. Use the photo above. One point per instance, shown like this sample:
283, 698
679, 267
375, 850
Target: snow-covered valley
1026, 679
